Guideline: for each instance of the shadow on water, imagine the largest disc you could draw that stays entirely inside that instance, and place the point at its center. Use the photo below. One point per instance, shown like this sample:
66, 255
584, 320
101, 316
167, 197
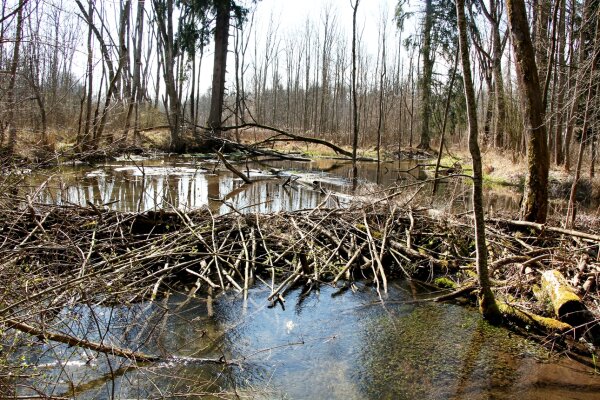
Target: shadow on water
320, 346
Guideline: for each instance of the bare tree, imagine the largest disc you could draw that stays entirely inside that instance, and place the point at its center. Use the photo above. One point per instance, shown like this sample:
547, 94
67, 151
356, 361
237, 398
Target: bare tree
223, 10
354, 100
487, 303
10, 93
535, 199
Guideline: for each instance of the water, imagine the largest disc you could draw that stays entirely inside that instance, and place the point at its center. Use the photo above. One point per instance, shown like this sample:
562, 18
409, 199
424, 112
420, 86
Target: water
325, 344
188, 183
321, 345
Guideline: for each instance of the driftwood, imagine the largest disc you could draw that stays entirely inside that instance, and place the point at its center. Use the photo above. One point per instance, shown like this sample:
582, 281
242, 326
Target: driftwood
75, 342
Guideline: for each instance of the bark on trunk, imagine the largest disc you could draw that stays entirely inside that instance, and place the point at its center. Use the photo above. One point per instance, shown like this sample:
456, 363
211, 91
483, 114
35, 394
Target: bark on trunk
220, 67
487, 304
10, 94
426, 77
535, 199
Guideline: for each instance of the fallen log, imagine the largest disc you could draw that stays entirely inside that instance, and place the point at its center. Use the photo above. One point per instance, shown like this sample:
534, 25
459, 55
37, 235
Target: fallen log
543, 227
73, 341
527, 318
290, 137
565, 301
568, 307
283, 136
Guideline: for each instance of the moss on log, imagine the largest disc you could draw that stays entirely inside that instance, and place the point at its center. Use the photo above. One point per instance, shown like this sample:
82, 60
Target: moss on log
521, 317
565, 302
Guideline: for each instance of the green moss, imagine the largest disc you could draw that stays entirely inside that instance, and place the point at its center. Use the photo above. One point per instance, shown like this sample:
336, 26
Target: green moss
529, 319
470, 273
495, 181
444, 282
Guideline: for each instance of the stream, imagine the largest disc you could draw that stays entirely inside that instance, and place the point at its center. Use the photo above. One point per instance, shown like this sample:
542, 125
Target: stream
325, 343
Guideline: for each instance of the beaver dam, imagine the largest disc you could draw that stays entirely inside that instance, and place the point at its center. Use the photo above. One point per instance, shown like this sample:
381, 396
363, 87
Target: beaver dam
367, 297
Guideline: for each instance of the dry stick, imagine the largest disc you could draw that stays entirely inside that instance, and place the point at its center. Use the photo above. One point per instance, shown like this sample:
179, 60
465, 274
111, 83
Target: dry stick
292, 246
307, 242
73, 341
542, 228
386, 230
246, 265
512, 260
89, 254
33, 214
393, 254
502, 235
232, 168
410, 229
375, 254
414, 254
203, 277
214, 251
157, 284
335, 252
253, 257
297, 272
349, 263
466, 290
238, 261
233, 282
38, 225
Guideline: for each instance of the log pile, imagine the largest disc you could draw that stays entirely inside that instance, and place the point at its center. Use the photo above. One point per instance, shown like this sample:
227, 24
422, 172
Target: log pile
57, 255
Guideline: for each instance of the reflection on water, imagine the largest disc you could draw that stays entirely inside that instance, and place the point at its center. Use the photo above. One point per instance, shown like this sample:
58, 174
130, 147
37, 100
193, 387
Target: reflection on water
321, 346
185, 183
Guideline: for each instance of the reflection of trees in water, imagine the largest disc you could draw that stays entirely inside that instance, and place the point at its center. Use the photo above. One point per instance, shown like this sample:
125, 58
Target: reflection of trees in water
128, 189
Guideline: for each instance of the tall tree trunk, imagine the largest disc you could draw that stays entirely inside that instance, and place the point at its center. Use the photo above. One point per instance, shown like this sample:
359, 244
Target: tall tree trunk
426, 77
541, 44
571, 208
535, 199
584, 40
136, 90
381, 93
499, 101
164, 10
354, 99
10, 93
86, 138
220, 65
487, 303
560, 68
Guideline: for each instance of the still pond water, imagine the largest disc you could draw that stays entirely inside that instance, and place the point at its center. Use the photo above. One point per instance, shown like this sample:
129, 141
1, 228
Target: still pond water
187, 183
325, 344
